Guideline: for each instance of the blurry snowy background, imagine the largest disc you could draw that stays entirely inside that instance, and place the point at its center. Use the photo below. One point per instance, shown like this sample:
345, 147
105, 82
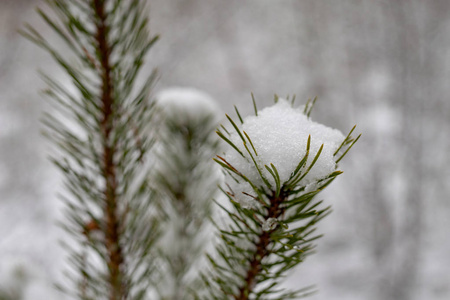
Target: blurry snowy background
381, 64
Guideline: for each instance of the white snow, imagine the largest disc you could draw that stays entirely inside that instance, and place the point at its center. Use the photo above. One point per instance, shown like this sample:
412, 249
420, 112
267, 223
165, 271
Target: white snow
269, 224
279, 134
186, 104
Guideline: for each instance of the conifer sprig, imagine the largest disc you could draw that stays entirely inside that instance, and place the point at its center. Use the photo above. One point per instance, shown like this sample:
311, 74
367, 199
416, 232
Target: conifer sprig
100, 126
265, 240
185, 181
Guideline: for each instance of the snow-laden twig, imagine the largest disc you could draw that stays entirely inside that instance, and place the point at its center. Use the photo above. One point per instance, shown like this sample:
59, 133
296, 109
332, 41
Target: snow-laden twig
276, 163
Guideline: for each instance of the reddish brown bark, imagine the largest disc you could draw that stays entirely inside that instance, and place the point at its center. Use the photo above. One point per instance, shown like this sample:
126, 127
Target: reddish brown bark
261, 252
111, 226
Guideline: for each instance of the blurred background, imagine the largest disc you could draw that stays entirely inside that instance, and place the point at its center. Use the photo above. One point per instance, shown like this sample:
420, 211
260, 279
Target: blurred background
383, 65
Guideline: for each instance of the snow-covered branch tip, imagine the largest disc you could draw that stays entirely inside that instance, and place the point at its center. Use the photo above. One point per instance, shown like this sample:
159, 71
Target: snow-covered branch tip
185, 181
277, 161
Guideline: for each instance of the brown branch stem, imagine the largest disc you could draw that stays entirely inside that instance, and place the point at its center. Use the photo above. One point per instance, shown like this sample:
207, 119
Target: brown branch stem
111, 226
275, 211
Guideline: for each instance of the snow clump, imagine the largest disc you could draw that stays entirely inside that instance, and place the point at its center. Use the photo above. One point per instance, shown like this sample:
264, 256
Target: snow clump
187, 114
187, 105
279, 134
269, 224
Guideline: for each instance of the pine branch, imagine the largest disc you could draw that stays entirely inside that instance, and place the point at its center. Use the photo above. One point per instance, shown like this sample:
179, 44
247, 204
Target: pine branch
103, 134
186, 181
274, 211
116, 260
264, 239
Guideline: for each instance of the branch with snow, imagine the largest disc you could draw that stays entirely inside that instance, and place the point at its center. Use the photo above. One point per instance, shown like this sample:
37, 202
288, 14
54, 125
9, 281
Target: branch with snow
186, 180
276, 163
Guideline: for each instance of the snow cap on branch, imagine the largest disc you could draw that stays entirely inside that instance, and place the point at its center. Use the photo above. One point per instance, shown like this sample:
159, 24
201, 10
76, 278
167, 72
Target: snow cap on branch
187, 105
279, 134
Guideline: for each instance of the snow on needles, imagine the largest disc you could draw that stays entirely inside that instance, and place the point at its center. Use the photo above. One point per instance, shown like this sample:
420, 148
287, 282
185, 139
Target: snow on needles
279, 134
187, 105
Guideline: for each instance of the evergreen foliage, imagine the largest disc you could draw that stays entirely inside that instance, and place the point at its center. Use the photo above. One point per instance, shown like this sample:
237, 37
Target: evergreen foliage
262, 242
185, 181
100, 127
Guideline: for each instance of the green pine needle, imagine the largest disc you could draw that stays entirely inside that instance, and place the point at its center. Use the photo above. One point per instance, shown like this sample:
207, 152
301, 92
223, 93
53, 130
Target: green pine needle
254, 105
